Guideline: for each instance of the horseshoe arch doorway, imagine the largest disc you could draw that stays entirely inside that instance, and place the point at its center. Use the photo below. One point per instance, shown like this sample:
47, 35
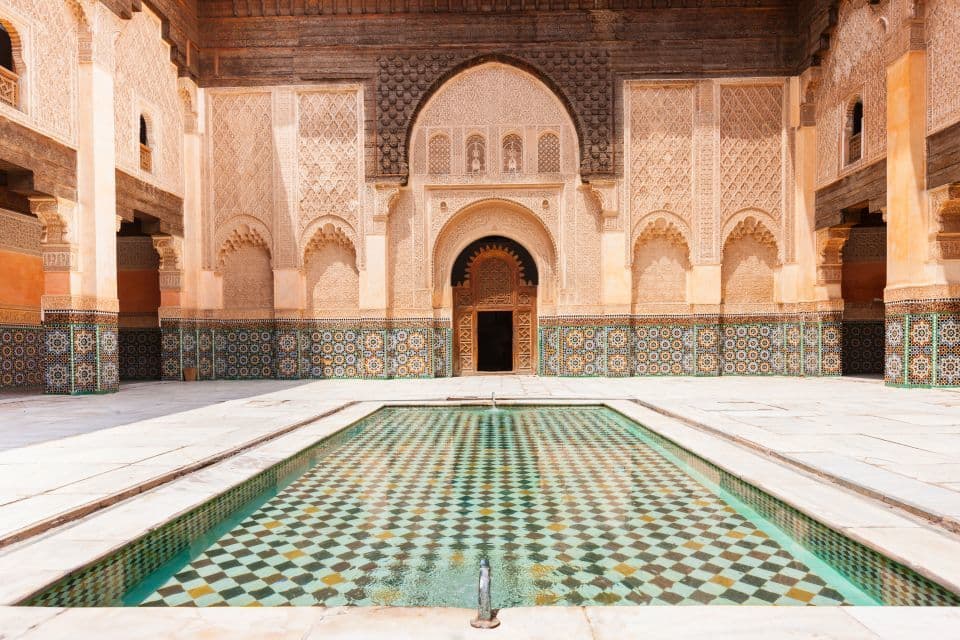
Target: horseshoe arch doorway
494, 284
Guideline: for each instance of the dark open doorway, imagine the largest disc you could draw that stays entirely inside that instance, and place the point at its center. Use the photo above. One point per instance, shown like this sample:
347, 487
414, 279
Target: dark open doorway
494, 341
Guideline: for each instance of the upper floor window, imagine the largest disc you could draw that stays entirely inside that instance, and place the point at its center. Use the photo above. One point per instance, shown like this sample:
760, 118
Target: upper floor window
548, 153
438, 155
853, 131
512, 154
146, 153
476, 154
9, 79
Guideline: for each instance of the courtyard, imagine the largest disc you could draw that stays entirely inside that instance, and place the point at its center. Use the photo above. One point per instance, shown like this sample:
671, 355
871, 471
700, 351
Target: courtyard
879, 465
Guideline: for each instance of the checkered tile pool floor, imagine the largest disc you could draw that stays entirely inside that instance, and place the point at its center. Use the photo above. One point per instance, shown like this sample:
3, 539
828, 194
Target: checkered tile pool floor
571, 505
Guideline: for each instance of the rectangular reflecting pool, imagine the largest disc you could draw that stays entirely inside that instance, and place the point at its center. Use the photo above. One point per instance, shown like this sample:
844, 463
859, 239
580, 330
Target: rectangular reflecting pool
572, 505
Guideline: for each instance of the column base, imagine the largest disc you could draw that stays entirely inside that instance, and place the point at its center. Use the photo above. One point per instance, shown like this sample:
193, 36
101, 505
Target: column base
80, 352
923, 343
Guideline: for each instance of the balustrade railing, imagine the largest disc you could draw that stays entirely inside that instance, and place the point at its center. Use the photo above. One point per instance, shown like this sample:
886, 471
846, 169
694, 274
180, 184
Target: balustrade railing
146, 158
9, 87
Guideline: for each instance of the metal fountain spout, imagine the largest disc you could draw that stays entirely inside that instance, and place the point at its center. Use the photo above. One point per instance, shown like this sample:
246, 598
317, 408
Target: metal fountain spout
485, 616
493, 400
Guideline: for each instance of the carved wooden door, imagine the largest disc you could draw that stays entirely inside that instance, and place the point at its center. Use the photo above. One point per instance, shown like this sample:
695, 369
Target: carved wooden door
494, 283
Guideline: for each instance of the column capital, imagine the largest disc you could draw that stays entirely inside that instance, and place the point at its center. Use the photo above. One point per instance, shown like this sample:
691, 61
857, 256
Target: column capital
385, 196
606, 194
170, 250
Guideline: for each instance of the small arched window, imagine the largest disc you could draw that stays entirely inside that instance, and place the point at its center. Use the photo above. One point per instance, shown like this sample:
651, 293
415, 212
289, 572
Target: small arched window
9, 80
438, 155
6, 50
476, 154
853, 131
512, 154
146, 153
548, 153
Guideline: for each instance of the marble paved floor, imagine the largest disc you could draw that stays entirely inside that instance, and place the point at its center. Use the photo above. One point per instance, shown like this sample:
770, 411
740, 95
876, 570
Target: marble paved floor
65, 452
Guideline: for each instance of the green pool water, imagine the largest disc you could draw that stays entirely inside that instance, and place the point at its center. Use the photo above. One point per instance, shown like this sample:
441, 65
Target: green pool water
571, 505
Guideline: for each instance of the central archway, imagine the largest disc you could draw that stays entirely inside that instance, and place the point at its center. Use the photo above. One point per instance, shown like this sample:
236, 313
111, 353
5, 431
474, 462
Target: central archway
494, 281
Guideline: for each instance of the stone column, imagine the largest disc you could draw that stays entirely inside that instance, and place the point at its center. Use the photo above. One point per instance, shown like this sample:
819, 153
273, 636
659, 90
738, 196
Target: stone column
80, 305
922, 309
615, 292
374, 276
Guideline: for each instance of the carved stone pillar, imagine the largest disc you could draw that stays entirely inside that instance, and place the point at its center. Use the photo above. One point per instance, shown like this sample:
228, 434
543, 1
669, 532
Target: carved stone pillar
80, 308
923, 291
374, 277
170, 250
80, 342
614, 273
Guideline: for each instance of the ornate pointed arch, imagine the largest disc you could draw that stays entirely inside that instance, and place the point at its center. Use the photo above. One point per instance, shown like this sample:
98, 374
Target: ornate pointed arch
329, 227
244, 231
534, 70
661, 223
494, 217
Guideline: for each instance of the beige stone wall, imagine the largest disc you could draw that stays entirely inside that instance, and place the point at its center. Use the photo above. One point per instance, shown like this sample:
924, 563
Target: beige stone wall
48, 54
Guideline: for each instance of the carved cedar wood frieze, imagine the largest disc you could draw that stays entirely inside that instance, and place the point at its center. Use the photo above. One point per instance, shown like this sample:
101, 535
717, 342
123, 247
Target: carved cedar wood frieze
582, 79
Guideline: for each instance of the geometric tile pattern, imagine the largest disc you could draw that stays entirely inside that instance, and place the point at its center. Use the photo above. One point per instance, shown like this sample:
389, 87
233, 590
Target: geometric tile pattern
571, 508
20, 357
863, 347
590, 346
139, 354
305, 349
572, 505
81, 352
923, 346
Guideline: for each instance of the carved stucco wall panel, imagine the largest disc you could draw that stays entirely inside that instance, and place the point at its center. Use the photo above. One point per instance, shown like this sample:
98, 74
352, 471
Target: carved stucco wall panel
247, 278
328, 148
332, 278
943, 64
751, 148
240, 159
48, 32
855, 65
750, 260
145, 84
660, 264
19, 233
290, 157
410, 283
661, 149
585, 77
702, 153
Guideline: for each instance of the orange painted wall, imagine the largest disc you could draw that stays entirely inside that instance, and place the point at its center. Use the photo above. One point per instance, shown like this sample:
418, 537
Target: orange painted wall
864, 281
139, 291
21, 282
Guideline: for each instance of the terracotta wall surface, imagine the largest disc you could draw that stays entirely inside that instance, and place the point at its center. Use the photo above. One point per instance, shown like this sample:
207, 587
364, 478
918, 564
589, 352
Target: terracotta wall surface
864, 281
139, 291
21, 284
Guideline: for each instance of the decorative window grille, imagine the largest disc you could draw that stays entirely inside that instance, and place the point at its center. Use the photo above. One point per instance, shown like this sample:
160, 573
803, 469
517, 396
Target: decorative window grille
548, 153
9, 87
512, 154
476, 154
438, 155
